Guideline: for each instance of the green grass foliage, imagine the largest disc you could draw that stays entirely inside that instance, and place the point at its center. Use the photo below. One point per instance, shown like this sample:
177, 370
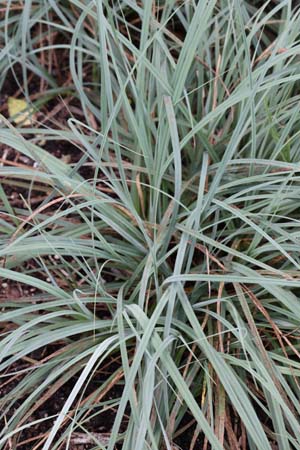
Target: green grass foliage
176, 263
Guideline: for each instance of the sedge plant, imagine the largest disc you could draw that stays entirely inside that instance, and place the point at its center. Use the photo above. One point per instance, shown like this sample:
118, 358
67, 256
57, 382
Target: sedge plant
168, 277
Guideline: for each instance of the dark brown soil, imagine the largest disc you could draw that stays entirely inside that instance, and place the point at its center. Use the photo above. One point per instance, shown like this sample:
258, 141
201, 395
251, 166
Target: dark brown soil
100, 424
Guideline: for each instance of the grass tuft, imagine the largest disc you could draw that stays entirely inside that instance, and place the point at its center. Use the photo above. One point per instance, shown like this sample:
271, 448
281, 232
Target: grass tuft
149, 225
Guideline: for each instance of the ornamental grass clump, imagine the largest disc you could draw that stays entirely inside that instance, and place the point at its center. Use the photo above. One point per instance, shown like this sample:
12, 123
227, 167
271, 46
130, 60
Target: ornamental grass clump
149, 225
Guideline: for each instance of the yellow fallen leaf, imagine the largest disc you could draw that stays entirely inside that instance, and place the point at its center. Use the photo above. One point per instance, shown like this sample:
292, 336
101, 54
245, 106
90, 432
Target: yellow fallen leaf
19, 111
66, 159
